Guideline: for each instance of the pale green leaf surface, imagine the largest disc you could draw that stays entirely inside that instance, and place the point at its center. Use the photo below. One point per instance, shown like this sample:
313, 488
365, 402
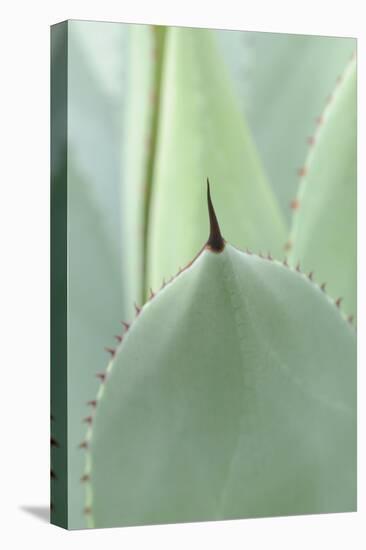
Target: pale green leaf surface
201, 134
282, 82
135, 152
325, 224
232, 395
96, 297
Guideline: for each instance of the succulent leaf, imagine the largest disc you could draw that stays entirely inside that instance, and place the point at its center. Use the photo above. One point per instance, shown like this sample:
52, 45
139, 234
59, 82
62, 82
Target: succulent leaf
202, 133
96, 293
141, 104
232, 395
323, 235
282, 81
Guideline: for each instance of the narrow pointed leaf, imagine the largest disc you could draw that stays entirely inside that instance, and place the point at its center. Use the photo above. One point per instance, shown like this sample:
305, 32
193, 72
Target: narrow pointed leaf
324, 225
201, 134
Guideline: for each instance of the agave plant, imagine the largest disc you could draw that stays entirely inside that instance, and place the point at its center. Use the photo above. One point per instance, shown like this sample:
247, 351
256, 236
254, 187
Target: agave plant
232, 392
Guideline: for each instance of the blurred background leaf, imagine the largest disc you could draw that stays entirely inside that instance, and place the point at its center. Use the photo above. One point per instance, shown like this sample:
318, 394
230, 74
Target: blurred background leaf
282, 82
97, 300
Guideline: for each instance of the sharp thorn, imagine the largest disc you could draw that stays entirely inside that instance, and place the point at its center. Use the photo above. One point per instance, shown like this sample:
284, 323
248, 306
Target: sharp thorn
111, 351
338, 302
101, 376
322, 286
126, 325
84, 478
118, 337
88, 419
92, 403
215, 241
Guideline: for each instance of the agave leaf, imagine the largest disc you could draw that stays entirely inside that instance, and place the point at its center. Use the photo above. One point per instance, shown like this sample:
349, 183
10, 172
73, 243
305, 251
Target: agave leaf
282, 82
232, 395
141, 103
202, 133
324, 224
96, 299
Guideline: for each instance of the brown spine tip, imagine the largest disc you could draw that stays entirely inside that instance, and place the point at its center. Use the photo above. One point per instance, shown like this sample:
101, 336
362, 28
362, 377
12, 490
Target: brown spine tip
215, 241
338, 302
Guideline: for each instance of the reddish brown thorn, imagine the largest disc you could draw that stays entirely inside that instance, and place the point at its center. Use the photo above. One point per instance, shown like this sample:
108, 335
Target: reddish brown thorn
302, 171
118, 337
319, 120
338, 302
298, 267
350, 319
87, 511
111, 351
92, 403
53, 475
126, 325
294, 204
137, 309
88, 419
322, 286
83, 445
288, 245
269, 256
151, 294
311, 275
101, 376
285, 262
54, 443
215, 240
311, 140
84, 478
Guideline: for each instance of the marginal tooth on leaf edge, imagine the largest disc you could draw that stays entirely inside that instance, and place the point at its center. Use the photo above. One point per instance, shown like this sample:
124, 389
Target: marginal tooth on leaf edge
111, 351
